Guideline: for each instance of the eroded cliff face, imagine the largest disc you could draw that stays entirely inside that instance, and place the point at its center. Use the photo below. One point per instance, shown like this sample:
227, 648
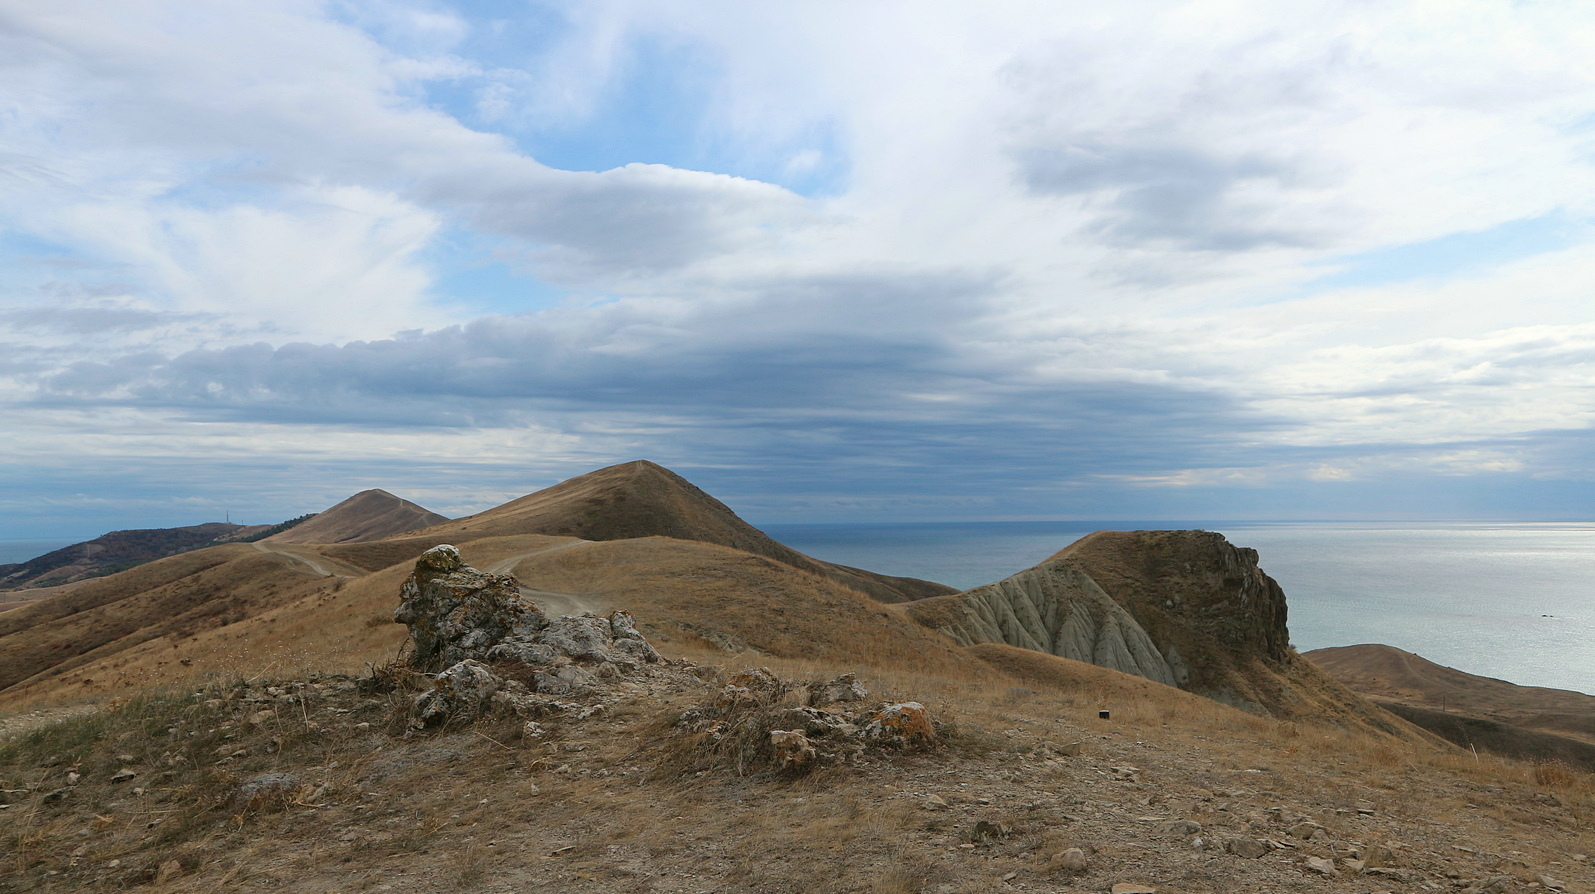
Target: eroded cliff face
1184, 608
1193, 580
1055, 609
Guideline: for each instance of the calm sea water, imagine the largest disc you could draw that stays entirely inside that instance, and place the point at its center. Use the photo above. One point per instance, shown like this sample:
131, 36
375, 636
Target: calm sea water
15, 551
1515, 602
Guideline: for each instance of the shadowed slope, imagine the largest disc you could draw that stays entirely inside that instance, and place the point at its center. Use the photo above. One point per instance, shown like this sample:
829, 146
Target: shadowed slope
642, 499
1519, 721
369, 515
118, 551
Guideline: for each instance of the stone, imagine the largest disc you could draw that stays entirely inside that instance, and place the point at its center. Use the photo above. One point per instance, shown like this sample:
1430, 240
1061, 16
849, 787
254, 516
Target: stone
935, 802
456, 612
1495, 884
903, 725
60, 794
73, 777
123, 775
1377, 856
567, 679
845, 688
1071, 860
1547, 881
1181, 827
793, 750
1250, 848
1319, 864
1308, 831
462, 692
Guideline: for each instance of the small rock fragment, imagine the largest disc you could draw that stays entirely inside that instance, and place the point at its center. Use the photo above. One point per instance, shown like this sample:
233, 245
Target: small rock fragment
1181, 827
123, 775
169, 870
1250, 848
935, 802
1319, 864
1307, 831
1071, 860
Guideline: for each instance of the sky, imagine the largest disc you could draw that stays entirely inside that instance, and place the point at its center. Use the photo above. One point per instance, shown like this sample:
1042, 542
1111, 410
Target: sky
861, 261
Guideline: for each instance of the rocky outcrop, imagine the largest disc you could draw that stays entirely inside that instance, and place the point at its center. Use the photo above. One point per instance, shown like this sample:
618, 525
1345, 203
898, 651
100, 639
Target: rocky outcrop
471, 624
1183, 608
1055, 609
1194, 581
456, 612
759, 721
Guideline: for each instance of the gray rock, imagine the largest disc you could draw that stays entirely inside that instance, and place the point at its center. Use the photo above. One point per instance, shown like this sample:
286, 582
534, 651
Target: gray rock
1250, 848
1180, 827
845, 688
1494, 884
1377, 856
1319, 864
456, 612
1307, 831
462, 692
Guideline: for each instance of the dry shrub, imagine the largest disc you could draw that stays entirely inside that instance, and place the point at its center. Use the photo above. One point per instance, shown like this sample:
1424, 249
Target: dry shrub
1553, 774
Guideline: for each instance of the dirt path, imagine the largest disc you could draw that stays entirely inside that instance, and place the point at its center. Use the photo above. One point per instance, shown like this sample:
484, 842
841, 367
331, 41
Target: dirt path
320, 564
552, 603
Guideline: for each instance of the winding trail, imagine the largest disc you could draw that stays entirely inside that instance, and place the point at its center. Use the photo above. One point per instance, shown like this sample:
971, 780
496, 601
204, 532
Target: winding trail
553, 604
314, 564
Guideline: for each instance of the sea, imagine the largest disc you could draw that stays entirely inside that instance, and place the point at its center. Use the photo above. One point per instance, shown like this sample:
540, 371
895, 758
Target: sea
1510, 601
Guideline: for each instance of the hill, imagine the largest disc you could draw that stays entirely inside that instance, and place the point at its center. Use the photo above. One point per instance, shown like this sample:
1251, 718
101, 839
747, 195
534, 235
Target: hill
118, 551
1528, 722
1182, 608
315, 782
642, 499
369, 515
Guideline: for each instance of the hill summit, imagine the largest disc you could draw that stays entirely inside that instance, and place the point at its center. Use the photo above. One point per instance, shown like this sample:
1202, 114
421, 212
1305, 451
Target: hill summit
368, 515
643, 499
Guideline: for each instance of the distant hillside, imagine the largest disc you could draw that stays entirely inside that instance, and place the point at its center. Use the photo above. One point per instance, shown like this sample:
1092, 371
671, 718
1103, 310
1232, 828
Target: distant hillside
368, 515
119, 551
1527, 722
642, 499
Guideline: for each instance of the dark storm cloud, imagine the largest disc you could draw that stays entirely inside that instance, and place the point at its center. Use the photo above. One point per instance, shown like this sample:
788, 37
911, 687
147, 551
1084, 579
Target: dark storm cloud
811, 375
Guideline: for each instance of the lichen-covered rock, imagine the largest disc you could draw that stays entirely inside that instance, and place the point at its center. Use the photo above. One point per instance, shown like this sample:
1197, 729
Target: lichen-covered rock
901, 725
462, 692
456, 612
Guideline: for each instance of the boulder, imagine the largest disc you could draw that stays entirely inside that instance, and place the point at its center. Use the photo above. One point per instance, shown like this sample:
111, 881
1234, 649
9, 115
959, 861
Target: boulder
461, 619
456, 612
